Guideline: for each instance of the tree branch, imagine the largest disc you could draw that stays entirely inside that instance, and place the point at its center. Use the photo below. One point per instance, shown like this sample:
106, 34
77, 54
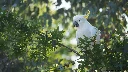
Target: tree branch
70, 49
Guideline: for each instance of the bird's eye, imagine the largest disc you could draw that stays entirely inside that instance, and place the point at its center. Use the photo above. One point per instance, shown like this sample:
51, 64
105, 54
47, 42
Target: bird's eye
79, 20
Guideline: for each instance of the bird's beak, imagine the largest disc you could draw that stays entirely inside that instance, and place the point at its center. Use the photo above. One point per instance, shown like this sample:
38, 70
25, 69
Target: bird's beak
75, 24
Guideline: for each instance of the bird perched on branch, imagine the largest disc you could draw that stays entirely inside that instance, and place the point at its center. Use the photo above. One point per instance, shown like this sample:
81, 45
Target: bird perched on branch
84, 28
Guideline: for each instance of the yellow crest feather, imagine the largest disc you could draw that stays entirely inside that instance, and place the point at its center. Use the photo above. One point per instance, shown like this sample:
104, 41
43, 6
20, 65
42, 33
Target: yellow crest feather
86, 16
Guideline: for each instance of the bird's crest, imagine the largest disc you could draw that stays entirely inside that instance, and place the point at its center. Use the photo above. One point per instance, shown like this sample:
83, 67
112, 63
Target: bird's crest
87, 15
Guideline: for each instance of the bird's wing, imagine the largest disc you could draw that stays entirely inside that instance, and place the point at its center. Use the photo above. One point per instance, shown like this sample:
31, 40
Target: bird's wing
96, 32
93, 31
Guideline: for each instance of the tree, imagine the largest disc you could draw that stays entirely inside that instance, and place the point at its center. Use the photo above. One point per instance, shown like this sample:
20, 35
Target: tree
23, 40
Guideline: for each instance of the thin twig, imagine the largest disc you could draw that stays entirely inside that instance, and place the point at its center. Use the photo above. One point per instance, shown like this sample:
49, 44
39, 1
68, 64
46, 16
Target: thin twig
70, 49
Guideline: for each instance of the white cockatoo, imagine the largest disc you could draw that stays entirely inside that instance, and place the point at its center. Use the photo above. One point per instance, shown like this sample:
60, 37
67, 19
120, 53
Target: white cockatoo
84, 28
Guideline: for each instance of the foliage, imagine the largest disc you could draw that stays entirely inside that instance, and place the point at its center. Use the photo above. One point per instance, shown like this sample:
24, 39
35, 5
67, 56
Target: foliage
111, 55
30, 39
24, 44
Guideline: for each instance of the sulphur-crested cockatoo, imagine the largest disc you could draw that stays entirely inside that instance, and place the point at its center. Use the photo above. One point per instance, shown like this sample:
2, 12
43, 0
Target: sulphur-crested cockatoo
84, 28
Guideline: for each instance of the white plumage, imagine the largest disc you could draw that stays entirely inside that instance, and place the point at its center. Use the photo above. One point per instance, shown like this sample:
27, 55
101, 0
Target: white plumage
85, 28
